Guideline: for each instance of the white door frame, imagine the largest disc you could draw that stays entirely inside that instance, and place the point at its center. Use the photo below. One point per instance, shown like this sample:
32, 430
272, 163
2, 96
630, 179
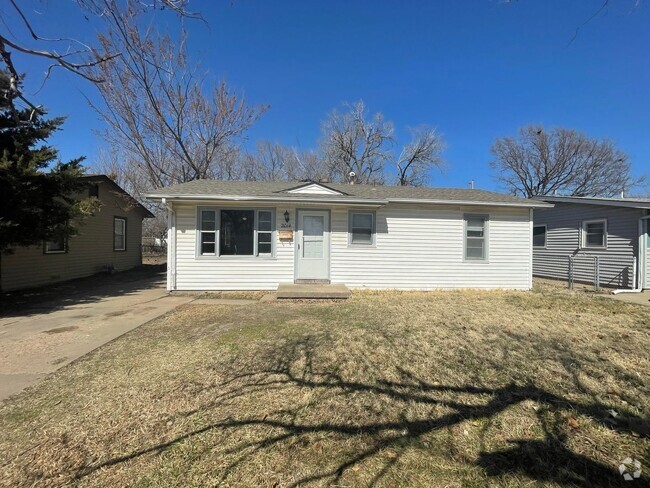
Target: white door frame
327, 236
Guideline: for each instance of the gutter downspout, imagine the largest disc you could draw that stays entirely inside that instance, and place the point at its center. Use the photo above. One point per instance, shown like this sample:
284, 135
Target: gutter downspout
637, 286
171, 245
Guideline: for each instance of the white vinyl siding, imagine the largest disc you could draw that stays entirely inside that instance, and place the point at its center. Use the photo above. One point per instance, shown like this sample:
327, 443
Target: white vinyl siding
196, 272
421, 248
416, 248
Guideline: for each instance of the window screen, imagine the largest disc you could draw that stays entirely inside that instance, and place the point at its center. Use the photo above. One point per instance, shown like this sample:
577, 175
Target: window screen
361, 227
475, 237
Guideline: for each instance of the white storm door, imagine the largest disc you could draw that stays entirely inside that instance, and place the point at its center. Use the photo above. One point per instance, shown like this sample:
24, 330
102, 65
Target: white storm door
313, 245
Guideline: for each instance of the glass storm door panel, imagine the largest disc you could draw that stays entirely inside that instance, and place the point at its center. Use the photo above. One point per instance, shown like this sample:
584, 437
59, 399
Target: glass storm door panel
312, 245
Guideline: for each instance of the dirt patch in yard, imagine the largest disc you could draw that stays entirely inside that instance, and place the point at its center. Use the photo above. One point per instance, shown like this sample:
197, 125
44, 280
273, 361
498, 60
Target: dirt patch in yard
547, 388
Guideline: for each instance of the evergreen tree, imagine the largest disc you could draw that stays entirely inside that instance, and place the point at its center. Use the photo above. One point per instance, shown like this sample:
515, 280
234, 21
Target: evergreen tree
39, 195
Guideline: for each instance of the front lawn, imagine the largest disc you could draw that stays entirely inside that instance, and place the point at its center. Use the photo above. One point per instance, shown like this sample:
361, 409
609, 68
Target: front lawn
386, 389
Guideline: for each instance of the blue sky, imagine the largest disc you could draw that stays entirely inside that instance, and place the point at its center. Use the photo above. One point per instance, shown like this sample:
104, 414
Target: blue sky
475, 69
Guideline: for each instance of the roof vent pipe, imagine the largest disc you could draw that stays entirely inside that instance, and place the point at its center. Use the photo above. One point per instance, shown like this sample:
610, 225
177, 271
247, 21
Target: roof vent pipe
622, 195
471, 184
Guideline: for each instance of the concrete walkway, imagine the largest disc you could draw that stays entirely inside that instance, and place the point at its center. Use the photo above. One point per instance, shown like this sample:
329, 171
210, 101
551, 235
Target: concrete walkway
641, 298
42, 339
313, 290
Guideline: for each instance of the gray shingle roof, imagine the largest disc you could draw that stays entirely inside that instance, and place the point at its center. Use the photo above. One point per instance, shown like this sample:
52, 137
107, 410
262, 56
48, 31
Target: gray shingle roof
195, 190
607, 201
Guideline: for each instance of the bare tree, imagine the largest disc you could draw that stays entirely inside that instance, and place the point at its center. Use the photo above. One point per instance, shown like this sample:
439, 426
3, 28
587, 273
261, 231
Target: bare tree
276, 162
351, 142
541, 162
166, 124
419, 156
65, 51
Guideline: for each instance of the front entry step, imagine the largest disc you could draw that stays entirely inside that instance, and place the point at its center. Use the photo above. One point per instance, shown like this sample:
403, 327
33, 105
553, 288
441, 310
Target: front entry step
313, 290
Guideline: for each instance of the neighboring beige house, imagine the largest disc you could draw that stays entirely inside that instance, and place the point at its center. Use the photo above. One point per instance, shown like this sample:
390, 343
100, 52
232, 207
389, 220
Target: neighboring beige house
109, 240
237, 235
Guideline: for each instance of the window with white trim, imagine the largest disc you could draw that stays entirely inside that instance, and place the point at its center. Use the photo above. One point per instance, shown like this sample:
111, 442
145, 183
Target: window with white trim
264, 232
119, 234
235, 232
476, 237
539, 236
594, 233
362, 228
208, 233
55, 246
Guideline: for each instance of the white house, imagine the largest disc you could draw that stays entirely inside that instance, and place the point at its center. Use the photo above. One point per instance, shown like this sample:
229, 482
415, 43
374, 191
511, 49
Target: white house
238, 235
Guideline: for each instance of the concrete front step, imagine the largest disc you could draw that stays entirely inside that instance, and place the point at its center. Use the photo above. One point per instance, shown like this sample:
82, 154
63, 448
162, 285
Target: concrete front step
313, 290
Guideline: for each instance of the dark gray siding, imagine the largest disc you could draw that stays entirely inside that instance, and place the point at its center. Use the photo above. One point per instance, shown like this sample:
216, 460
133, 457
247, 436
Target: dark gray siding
564, 223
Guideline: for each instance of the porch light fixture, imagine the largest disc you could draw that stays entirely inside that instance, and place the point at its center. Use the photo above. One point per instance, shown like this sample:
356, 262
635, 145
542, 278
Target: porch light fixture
286, 216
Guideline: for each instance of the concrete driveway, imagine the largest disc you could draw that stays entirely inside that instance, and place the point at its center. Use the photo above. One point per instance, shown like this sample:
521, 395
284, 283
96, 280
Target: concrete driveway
43, 338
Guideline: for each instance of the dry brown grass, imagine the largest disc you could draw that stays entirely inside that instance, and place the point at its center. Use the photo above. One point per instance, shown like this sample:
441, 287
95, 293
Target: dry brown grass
386, 389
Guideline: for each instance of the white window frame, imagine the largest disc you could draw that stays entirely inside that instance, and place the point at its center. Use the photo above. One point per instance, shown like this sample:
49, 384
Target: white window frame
373, 228
47, 250
583, 234
486, 237
217, 232
545, 236
123, 219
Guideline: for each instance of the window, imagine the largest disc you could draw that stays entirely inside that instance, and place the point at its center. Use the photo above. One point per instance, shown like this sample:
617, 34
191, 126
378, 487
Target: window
119, 234
208, 233
93, 191
539, 236
362, 228
56, 246
476, 237
235, 232
594, 233
237, 236
264, 232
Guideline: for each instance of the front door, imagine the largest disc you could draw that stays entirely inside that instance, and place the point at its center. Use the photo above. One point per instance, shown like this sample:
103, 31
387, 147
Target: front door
313, 245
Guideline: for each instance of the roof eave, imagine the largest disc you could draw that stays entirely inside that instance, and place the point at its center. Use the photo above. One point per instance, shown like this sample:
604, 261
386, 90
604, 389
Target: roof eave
340, 201
254, 198
526, 204
596, 201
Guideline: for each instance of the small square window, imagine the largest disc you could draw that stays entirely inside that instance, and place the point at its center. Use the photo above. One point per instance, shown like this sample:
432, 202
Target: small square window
594, 234
362, 228
56, 246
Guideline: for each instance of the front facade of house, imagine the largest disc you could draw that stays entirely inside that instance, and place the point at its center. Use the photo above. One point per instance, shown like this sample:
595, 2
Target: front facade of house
254, 236
613, 230
108, 240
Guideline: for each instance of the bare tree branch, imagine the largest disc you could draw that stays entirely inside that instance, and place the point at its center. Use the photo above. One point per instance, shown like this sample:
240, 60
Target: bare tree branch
419, 156
540, 162
353, 143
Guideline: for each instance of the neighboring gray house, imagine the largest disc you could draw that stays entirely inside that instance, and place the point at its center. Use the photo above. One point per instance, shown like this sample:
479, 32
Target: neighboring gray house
238, 235
108, 240
614, 229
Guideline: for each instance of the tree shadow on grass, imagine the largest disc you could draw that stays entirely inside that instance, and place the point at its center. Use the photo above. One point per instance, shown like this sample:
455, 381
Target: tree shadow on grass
292, 366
